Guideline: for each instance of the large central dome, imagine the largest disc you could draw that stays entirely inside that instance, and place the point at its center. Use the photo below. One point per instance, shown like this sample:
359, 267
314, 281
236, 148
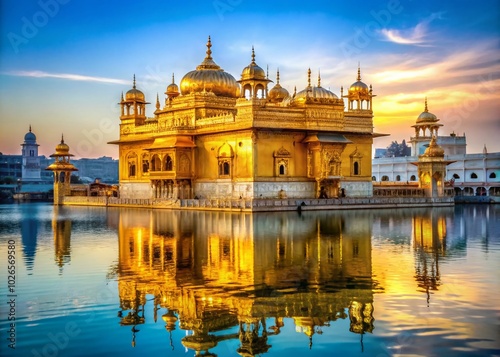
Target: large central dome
209, 77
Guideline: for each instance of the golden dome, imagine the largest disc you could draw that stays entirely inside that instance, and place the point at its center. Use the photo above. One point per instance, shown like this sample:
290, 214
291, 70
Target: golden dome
277, 93
253, 71
358, 86
434, 150
172, 89
62, 148
209, 77
314, 92
426, 116
134, 94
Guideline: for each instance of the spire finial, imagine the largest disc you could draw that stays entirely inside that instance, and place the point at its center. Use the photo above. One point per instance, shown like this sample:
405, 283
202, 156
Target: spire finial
309, 77
30, 128
209, 51
134, 82
157, 101
426, 110
341, 91
278, 76
359, 72
253, 56
173, 79
122, 97
62, 138
267, 72
319, 78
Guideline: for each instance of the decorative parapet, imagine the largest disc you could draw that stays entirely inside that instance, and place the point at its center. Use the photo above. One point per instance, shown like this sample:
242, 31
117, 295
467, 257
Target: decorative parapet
359, 124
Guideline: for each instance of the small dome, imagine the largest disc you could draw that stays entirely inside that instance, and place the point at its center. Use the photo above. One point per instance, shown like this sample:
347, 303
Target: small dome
426, 116
172, 89
209, 77
253, 71
134, 94
314, 92
62, 148
359, 86
30, 137
277, 93
434, 150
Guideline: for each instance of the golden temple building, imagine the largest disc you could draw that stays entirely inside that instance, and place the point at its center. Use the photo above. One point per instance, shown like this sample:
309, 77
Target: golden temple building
217, 137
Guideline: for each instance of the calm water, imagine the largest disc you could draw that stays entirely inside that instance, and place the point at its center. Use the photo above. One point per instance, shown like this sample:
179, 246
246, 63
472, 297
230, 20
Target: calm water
130, 282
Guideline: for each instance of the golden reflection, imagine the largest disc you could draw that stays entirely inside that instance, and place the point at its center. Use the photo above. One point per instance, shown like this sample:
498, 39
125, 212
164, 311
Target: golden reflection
61, 228
213, 271
429, 239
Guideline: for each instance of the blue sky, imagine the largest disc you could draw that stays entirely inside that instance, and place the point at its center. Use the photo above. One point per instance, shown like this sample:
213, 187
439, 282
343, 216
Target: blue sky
64, 63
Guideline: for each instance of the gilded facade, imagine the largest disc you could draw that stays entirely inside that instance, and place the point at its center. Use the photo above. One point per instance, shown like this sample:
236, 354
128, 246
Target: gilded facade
217, 137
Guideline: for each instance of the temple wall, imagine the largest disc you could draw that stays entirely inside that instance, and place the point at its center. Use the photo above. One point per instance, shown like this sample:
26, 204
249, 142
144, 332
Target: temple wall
135, 190
250, 189
357, 188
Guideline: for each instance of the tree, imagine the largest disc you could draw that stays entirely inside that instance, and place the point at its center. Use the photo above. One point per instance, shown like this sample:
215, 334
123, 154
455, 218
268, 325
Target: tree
75, 179
398, 150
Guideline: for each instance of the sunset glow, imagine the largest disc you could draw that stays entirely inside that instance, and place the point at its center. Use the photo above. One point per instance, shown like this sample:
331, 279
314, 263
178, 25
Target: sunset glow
65, 64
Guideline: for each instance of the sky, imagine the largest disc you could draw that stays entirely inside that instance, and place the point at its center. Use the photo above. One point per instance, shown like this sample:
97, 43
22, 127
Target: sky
65, 63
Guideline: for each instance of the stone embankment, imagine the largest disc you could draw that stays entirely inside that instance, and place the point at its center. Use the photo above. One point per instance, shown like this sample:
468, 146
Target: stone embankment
264, 205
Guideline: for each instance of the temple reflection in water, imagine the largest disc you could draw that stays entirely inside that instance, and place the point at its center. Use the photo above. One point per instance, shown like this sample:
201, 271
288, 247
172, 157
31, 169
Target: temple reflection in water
214, 271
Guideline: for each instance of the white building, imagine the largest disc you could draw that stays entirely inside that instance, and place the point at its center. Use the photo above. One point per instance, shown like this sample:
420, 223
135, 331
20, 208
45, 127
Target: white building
469, 174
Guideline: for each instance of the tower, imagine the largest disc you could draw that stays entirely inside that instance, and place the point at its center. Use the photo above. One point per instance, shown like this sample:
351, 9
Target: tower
31, 162
62, 169
133, 106
432, 170
359, 96
253, 80
426, 127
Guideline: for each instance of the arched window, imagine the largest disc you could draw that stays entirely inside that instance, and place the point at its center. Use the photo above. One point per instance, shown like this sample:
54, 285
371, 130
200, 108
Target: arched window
456, 176
413, 178
385, 178
169, 165
374, 178
398, 178
282, 169
145, 164
356, 168
493, 175
224, 168
131, 169
155, 163
473, 175
132, 164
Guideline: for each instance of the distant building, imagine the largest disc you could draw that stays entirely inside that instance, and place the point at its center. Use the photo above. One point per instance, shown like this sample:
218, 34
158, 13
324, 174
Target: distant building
469, 174
11, 166
31, 171
104, 168
28, 169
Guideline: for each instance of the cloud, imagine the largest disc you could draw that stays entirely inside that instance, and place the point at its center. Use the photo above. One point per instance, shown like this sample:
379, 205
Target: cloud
458, 66
415, 36
68, 76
